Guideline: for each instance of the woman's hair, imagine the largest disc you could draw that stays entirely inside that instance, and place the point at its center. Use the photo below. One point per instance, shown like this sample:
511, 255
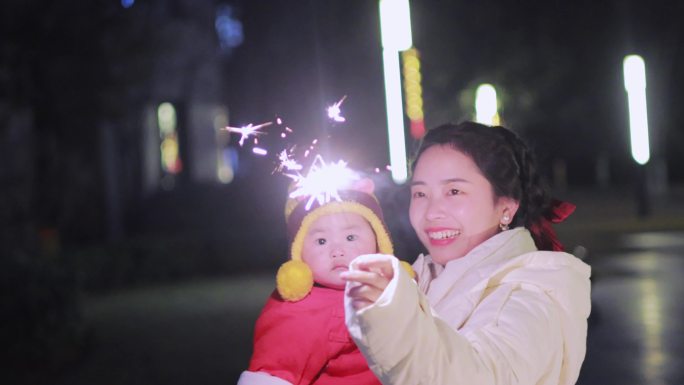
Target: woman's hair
506, 162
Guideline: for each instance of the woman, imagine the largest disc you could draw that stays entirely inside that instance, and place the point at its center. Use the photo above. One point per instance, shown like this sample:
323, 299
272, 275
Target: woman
492, 304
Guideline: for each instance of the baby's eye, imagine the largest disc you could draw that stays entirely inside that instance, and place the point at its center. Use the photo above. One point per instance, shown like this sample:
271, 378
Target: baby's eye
321, 241
352, 237
418, 194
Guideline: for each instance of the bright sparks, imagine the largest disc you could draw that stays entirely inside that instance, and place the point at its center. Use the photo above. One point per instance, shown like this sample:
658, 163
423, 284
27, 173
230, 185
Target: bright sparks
287, 162
247, 131
259, 151
314, 181
334, 111
323, 181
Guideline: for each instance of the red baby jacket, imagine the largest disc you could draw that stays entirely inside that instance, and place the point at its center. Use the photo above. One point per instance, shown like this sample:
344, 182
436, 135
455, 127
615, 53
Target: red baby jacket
306, 342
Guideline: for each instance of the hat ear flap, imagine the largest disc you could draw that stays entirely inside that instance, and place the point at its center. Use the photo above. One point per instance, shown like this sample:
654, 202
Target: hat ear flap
364, 185
294, 280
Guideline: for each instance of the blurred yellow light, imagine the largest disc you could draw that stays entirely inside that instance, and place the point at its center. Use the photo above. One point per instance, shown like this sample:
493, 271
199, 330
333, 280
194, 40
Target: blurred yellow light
413, 91
169, 154
167, 121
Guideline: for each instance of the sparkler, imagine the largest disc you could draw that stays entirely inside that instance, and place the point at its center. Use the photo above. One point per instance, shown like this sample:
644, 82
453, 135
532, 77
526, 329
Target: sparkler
323, 181
247, 131
334, 111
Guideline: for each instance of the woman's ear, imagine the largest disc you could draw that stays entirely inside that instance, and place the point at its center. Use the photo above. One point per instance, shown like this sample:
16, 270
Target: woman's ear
509, 207
364, 185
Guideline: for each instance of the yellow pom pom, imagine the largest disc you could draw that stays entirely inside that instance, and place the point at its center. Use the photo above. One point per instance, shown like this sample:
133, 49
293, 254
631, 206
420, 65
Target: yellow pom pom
409, 269
294, 280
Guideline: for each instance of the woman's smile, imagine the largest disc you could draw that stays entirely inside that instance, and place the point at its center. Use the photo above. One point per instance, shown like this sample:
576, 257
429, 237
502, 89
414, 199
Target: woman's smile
442, 236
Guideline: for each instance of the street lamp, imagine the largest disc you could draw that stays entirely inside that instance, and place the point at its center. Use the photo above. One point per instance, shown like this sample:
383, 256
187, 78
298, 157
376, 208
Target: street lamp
635, 85
486, 106
395, 29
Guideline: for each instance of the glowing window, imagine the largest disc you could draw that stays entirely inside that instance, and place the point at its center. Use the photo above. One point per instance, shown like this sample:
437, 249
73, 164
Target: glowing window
226, 156
170, 157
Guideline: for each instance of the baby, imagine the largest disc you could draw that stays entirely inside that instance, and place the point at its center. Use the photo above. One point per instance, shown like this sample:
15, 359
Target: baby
300, 336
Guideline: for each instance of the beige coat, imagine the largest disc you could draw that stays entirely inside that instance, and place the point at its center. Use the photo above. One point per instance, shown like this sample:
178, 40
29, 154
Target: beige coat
503, 314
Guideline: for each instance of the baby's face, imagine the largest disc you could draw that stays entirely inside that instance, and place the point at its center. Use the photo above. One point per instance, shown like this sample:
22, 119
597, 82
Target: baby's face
332, 242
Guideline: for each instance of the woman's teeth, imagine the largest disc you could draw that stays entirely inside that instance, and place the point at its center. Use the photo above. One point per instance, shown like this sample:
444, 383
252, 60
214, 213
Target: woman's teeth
444, 234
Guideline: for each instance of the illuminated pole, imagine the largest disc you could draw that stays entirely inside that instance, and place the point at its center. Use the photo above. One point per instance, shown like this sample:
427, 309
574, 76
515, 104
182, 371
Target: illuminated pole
395, 29
486, 106
635, 85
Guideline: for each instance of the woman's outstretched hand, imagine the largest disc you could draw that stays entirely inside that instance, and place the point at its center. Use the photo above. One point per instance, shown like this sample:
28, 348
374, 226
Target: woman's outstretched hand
370, 276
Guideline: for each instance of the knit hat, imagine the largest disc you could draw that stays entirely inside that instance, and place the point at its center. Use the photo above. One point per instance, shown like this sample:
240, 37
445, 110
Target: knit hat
295, 279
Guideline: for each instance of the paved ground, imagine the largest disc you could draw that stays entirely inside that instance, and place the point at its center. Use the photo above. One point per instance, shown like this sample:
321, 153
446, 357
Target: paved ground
635, 330
190, 333
199, 332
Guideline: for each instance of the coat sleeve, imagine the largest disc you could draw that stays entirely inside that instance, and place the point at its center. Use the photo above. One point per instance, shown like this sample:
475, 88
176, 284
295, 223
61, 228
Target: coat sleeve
512, 339
290, 342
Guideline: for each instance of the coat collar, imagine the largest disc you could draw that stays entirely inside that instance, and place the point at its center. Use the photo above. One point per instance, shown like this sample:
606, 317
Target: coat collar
436, 280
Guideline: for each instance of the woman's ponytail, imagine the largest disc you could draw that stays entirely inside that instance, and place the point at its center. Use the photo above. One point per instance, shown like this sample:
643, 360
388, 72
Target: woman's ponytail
537, 211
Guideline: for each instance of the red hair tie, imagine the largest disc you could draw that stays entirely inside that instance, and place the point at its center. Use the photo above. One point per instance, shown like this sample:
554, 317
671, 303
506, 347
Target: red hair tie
544, 234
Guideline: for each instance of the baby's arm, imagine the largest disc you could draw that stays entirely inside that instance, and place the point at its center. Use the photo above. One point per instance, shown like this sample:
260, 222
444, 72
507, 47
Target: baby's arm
260, 378
289, 345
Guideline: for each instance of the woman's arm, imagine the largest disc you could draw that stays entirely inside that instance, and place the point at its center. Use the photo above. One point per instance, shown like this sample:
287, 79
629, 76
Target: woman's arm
512, 337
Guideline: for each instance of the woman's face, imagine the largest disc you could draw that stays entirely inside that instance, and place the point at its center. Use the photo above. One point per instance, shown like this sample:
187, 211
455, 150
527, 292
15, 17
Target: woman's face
453, 208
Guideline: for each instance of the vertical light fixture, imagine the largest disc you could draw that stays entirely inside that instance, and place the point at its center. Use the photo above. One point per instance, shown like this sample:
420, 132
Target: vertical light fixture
395, 29
486, 105
635, 85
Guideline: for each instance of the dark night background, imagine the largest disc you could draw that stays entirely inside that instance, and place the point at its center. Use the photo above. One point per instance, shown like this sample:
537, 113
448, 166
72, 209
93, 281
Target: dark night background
86, 209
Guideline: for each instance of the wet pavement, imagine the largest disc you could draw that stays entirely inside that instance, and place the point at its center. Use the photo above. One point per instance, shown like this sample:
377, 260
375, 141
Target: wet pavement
196, 332
636, 330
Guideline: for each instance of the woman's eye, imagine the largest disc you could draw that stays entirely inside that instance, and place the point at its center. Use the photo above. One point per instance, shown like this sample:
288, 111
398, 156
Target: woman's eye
320, 241
454, 191
351, 237
418, 194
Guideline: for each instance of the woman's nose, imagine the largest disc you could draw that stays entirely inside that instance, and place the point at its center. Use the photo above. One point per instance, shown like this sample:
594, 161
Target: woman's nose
434, 209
